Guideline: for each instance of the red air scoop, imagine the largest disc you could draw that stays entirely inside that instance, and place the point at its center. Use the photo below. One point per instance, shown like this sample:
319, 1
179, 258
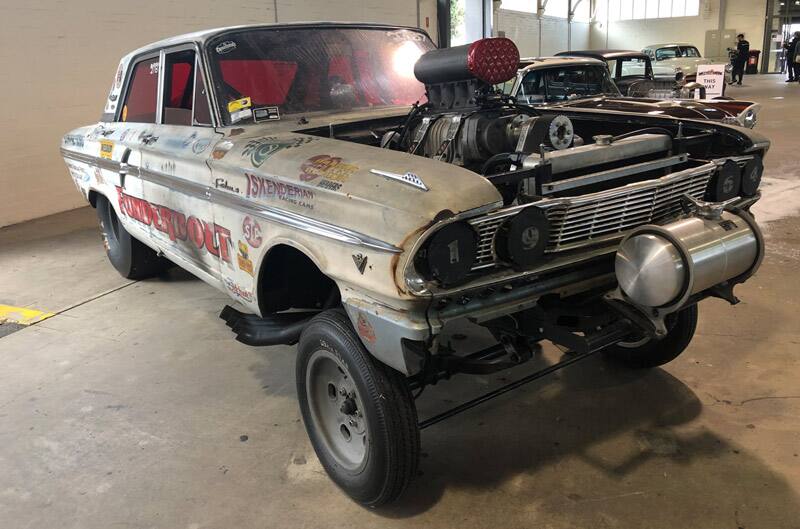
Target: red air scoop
493, 60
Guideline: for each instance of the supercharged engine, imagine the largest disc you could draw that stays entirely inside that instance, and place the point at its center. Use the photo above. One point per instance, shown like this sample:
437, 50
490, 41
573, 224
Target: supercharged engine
468, 123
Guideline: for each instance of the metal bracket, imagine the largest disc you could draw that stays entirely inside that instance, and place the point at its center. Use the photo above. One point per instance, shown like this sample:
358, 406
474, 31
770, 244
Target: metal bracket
708, 210
452, 132
419, 136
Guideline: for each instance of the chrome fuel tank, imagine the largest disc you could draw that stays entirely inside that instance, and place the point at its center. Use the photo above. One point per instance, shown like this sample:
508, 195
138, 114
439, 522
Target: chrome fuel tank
661, 266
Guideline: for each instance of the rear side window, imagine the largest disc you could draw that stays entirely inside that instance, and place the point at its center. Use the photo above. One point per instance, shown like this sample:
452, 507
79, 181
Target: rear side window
140, 103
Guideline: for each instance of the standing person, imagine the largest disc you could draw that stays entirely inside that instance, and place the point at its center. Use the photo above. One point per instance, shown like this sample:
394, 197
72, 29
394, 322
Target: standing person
742, 52
794, 56
791, 51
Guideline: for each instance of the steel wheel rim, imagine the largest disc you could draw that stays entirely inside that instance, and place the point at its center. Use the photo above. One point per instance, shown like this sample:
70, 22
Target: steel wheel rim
336, 409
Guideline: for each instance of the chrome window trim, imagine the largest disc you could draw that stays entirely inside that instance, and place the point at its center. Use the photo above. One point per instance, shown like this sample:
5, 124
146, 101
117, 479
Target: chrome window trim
269, 213
160, 95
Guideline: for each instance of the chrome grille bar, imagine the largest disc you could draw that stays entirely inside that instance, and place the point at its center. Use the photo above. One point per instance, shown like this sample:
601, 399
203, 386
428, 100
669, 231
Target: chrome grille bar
596, 217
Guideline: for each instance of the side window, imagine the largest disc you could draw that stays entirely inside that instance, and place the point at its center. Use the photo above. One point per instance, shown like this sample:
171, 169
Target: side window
184, 99
178, 88
667, 53
140, 102
532, 89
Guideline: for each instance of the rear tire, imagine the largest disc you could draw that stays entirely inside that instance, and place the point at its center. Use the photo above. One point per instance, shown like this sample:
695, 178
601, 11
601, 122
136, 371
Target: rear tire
131, 258
652, 353
359, 413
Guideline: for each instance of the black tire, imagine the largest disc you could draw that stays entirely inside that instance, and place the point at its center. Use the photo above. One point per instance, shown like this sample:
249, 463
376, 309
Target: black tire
131, 258
653, 353
388, 455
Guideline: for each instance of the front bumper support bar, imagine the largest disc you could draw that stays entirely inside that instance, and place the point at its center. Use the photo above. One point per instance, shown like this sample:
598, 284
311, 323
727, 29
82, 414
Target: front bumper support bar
582, 347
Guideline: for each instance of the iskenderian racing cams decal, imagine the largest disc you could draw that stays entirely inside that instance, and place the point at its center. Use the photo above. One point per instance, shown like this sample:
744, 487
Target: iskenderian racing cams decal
261, 187
207, 236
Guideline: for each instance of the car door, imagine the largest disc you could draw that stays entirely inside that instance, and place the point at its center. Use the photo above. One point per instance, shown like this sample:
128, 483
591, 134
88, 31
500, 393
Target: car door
175, 173
121, 143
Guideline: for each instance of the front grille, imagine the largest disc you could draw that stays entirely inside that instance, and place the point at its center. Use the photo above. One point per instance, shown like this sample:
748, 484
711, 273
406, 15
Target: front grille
578, 221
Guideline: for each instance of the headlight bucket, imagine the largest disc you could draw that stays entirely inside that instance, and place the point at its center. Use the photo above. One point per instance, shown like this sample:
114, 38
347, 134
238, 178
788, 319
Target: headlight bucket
522, 239
751, 176
448, 255
725, 182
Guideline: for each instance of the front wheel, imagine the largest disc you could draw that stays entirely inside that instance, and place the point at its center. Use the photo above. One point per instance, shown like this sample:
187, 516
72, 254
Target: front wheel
359, 413
642, 352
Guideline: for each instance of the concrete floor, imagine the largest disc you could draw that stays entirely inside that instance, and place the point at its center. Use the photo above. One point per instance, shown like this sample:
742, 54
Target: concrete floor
134, 407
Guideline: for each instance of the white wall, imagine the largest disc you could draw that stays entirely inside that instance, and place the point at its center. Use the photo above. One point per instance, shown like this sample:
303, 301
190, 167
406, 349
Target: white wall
58, 59
524, 29
745, 16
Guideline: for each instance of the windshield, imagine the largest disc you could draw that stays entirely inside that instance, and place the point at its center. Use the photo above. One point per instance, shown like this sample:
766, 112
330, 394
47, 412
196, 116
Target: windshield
262, 74
565, 83
633, 67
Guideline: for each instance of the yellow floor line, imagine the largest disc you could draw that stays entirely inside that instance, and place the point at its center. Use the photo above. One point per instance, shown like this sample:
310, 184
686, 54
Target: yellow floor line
22, 315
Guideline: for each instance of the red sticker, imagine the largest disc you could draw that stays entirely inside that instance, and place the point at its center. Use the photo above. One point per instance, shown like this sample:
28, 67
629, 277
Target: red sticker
252, 232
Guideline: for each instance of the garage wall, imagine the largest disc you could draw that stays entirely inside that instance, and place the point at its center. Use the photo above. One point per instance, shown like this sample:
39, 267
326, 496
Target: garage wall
745, 16
524, 29
59, 58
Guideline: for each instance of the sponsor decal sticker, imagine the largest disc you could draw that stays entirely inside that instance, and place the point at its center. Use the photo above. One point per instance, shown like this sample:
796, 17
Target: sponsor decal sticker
260, 149
189, 139
261, 187
238, 291
118, 78
154, 68
327, 167
221, 149
240, 115
200, 146
225, 47
106, 149
266, 114
222, 183
361, 262
192, 231
365, 329
243, 258
252, 232
239, 104
73, 140
78, 173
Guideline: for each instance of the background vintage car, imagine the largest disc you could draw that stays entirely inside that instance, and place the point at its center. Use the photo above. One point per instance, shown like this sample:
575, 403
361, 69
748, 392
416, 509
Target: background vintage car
629, 67
580, 82
682, 57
